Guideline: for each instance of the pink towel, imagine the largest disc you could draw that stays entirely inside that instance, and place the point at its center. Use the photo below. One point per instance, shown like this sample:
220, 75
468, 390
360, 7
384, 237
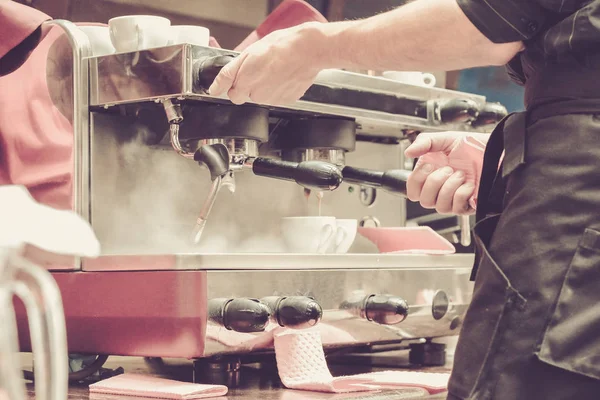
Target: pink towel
408, 240
288, 14
301, 364
466, 156
157, 388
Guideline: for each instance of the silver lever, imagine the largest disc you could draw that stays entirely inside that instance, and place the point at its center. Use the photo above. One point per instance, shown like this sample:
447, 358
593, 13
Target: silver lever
41, 297
465, 230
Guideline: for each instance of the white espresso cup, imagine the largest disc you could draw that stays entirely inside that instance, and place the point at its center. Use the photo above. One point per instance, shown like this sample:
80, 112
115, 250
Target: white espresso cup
181, 34
345, 234
411, 77
99, 37
308, 234
139, 32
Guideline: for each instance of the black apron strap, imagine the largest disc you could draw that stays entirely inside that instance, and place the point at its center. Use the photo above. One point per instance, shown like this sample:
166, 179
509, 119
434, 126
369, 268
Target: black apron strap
508, 137
489, 172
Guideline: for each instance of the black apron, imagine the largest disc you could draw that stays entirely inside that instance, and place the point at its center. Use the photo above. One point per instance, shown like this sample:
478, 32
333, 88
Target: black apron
532, 330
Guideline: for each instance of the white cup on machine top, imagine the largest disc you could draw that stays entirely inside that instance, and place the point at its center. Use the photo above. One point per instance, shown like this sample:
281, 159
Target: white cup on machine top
411, 77
181, 34
139, 32
308, 234
99, 37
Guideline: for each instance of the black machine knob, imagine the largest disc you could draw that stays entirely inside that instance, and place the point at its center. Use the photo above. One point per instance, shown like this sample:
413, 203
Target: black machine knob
207, 69
458, 111
296, 312
215, 157
317, 175
489, 114
393, 181
380, 308
239, 315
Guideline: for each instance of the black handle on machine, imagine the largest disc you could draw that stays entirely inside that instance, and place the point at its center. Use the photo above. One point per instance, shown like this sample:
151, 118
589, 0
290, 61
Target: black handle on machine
393, 181
207, 69
458, 111
215, 157
239, 315
489, 114
316, 175
296, 312
383, 309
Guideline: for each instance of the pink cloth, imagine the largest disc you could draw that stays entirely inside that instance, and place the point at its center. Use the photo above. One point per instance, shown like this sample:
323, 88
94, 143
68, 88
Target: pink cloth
408, 240
301, 365
263, 340
36, 139
16, 23
466, 156
289, 13
148, 386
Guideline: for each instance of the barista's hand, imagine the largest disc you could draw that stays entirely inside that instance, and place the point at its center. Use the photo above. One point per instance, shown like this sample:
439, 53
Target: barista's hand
443, 189
277, 69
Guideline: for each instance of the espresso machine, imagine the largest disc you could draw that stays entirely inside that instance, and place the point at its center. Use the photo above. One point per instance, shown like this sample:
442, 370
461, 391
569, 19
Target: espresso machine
190, 270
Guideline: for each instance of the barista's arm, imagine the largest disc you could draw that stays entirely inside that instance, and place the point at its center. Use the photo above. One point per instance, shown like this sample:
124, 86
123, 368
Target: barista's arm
423, 35
435, 35
20, 33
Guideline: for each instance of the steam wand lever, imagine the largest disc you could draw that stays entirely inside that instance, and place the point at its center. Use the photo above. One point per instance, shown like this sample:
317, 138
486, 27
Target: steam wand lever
216, 157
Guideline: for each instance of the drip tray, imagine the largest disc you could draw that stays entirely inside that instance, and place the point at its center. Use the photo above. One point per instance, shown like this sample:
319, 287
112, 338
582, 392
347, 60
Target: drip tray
277, 262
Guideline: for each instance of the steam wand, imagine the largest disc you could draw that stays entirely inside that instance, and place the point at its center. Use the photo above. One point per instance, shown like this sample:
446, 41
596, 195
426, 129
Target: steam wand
205, 210
175, 117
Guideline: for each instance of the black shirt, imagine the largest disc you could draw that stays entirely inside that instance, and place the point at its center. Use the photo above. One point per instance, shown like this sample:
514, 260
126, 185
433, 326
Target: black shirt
562, 41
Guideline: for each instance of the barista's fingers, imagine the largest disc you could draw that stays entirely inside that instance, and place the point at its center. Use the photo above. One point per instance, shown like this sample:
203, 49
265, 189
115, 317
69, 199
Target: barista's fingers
445, 197
460, 204
416, 179
432, 186
226, 78
238, 94
431, 142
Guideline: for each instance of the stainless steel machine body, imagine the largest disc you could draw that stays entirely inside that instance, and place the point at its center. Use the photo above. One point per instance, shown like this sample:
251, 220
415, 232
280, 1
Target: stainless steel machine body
166, 296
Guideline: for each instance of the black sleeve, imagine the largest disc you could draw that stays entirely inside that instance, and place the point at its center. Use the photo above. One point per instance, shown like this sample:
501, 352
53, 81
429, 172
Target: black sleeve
19, 54
505, 21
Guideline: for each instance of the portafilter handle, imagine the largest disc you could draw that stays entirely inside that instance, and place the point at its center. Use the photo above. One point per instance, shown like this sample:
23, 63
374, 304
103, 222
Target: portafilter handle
393, 181
316, 175
206, 70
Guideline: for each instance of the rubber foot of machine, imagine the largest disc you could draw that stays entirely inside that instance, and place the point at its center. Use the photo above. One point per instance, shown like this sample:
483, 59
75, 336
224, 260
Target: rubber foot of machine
427, 354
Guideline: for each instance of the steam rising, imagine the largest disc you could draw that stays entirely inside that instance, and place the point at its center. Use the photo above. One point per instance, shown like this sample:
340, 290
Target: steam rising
145, 200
